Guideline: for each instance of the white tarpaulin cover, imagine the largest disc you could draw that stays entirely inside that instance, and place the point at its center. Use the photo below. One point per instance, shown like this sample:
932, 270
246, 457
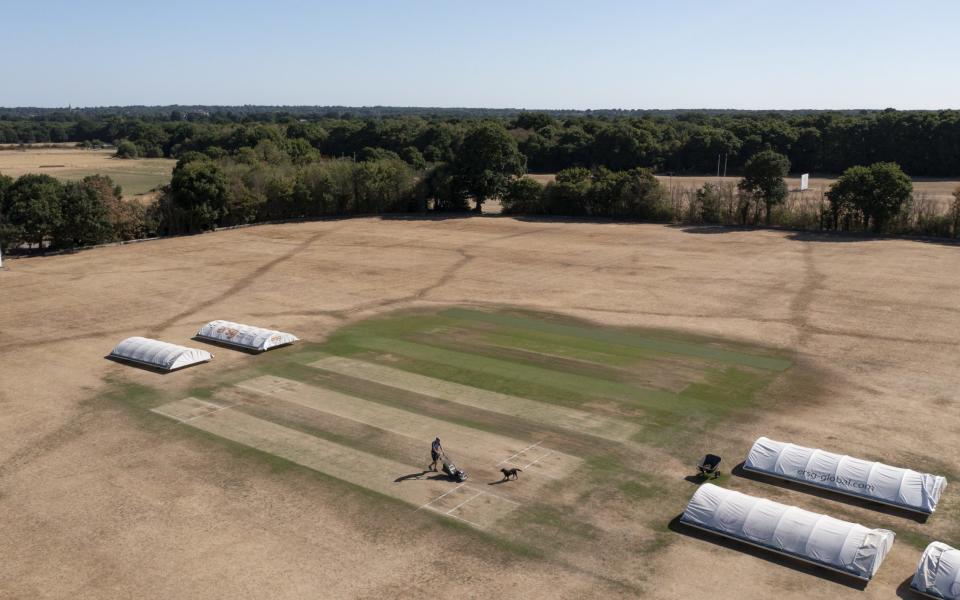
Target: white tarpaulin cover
904, 488
161, 355
846, 547
245, 336
938, 573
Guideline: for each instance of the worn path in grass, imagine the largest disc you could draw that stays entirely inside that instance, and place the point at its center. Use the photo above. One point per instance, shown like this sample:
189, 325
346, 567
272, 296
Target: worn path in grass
562, 417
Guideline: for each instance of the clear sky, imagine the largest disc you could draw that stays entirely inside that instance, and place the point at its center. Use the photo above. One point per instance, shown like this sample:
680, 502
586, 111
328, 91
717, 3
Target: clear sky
483, 53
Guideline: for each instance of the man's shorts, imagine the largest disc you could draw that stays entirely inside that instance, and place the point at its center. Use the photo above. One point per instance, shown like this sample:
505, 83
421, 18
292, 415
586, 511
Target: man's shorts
434, 456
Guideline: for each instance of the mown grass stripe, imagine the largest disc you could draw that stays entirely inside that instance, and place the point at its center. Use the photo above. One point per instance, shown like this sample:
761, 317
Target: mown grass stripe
657, 400
610, 336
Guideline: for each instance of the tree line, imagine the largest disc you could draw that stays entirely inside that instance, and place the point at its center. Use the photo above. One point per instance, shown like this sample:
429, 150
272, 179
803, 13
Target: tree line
923, 143
261, 174
40, 211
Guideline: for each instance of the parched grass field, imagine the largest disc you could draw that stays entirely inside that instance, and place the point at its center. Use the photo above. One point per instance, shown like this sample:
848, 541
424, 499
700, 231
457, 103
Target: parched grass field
603, 359
581, 409
136, 177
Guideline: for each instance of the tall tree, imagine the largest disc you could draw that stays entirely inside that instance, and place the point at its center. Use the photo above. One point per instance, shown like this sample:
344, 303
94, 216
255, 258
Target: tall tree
875, 194
199, 191
85, 218
8, 231
33, 207
487, 159
763, 178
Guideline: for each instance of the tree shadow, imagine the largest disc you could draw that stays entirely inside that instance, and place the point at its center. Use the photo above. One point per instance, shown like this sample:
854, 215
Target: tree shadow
905, 591
710, 229
677, 526
847, 236
431, 216
824, 236
739, 471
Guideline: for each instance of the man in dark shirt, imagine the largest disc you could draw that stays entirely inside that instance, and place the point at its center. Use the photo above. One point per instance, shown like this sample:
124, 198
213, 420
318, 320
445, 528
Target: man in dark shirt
436, 451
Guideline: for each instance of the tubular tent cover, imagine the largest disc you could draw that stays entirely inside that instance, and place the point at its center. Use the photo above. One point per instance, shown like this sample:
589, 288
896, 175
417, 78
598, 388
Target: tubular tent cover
938, 574
875, 481
245, 336
817, 539
161, 355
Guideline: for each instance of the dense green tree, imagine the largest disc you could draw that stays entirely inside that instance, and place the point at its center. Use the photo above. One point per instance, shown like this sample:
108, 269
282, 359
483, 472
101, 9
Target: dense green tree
569, 193
34, 208
85, 219
413, 157
127, 149
441, 185
532, 120
486, 161
871, 194
199, 192
300, 151
8, 231
370, 153
763, 178
523, 195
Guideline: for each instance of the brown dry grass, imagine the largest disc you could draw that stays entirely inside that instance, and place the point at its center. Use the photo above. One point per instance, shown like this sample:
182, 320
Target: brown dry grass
98, 502
136, 177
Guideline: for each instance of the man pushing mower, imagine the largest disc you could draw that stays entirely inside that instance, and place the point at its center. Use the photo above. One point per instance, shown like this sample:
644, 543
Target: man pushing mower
436, 453
451, 470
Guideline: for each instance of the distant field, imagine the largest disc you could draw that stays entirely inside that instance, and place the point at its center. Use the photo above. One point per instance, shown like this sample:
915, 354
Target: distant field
136, 177
938, 190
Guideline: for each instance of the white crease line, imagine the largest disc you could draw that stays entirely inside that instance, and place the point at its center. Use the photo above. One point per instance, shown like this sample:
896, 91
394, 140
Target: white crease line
464, 502
207, 413
442, 495
477, 525
539, 459
530, 447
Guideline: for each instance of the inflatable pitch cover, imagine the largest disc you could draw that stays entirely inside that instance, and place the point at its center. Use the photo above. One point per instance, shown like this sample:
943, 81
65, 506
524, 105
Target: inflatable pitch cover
938, 573
813, 538
902, 488
248, 337
159, 355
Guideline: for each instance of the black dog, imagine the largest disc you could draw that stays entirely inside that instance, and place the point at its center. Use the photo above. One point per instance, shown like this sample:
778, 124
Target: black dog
508, 472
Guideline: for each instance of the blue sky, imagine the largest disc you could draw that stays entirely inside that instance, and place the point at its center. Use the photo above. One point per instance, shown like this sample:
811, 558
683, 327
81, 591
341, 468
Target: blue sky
587, 54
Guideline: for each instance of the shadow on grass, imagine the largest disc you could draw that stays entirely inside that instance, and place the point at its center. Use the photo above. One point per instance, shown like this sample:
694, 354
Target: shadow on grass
841, 236
143, 367
700, 479
414, 476
905, 591
677, 526
712, 229
739, 471
816, 236
225, 346
420, 476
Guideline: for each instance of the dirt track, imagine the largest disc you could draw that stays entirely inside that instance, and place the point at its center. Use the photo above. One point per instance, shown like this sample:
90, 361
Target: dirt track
94, 503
